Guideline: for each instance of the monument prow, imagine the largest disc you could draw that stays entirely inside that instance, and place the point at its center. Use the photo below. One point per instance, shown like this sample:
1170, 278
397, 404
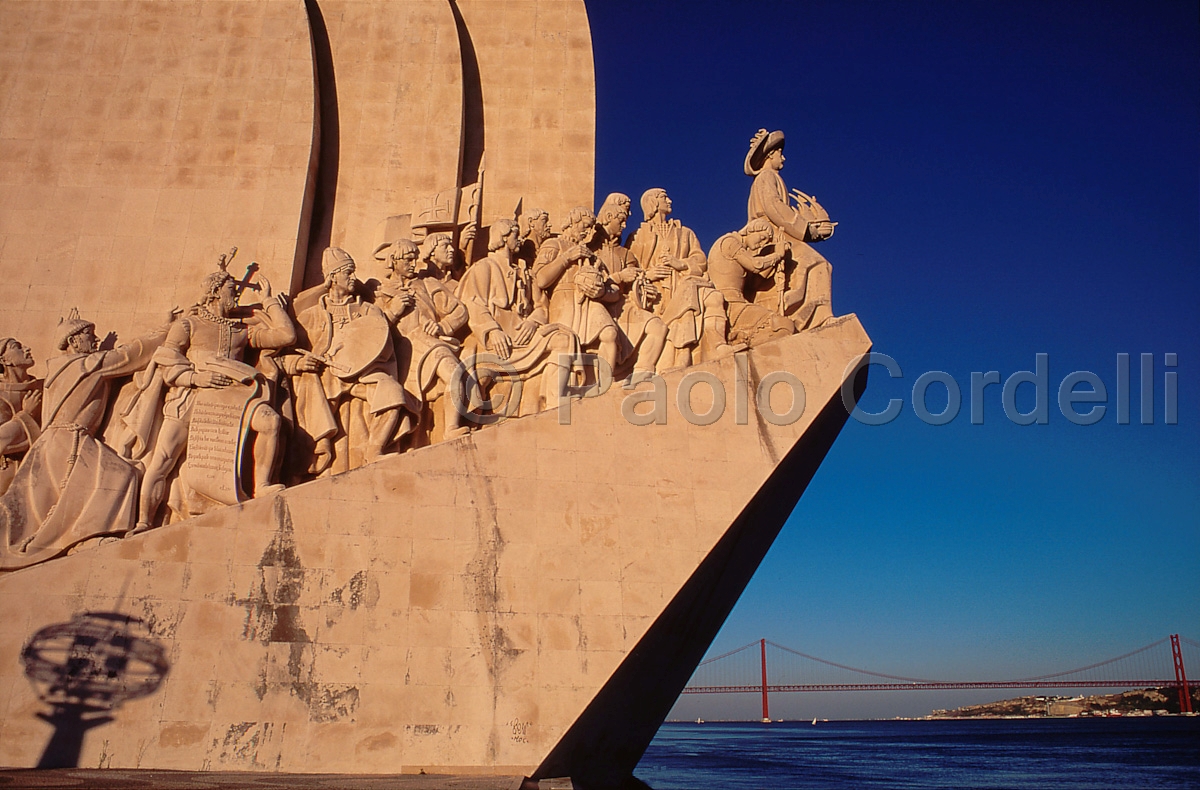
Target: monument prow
528, 599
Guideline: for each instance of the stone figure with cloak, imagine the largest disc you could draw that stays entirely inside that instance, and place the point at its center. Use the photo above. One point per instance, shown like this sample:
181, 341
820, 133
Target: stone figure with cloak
692, 309
350, 405
214, 404
427, 316
20, 407
71, 486
577, 289
512, 341
802, 290
632, 309
737, 262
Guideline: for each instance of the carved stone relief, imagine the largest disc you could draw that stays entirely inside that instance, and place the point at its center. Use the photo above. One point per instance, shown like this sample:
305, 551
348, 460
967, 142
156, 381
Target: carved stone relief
351, 370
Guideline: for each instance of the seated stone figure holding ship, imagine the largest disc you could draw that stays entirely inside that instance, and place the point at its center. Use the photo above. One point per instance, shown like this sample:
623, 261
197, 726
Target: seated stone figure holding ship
214, 402
350, 404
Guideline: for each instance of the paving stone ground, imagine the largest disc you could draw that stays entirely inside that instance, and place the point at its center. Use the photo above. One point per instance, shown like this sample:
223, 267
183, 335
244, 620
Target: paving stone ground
112, 779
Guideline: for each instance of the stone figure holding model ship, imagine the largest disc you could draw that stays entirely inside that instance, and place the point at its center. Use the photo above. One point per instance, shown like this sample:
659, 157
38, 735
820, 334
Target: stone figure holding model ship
802, 290
214, 401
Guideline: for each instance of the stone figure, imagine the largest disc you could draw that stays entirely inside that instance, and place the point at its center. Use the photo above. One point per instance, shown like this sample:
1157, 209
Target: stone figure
427, 315
632, 310
804, 291
20, 407
537, 231
438, 256
505, 323
71, 486
350, 404
736, 261
692, 309
214, 401
577, 290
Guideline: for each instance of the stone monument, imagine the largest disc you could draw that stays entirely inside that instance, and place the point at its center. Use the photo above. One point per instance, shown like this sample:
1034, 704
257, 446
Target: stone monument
458, 494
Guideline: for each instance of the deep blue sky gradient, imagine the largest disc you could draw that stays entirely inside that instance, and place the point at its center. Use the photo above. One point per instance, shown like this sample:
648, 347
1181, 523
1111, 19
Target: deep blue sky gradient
1010, 178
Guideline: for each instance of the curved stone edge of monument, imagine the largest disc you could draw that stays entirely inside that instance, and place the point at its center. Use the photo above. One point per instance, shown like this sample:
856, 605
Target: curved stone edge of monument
490, 604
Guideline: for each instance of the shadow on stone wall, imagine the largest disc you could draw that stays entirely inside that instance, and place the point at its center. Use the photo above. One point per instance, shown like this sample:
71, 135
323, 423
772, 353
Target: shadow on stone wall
84, 670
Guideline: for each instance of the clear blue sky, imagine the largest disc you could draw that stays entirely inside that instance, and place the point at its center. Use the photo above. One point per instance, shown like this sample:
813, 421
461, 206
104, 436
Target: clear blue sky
1010, 178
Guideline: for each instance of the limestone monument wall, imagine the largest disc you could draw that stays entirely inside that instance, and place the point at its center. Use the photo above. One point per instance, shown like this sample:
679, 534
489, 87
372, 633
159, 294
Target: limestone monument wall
137, 142
457, 608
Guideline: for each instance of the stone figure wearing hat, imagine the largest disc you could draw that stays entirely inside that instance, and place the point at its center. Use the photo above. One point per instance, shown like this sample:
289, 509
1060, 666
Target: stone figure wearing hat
804, 292
646, 332
692, 309
511, 338
428, 316
205, 350
577, 289
20, 407
736, 263
71, 486
350, 404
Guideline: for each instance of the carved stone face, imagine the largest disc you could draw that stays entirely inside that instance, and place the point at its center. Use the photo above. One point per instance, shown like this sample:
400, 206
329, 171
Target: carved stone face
443, 255
16, 355
343, 281
227, 298
83, 342
513, 240
404, 265
663, 204
581, 228
539, 227
757, 238
775, 159
615, 224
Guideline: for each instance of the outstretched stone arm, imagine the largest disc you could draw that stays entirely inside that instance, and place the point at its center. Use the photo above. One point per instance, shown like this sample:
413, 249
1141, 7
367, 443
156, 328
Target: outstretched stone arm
134, 355
271, 327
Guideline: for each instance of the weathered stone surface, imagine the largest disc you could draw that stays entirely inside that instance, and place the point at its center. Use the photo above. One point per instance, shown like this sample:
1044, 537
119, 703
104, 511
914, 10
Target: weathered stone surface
453, 609
139, 140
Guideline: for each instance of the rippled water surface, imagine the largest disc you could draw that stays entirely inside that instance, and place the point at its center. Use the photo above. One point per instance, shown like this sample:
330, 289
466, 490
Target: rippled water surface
1038, 754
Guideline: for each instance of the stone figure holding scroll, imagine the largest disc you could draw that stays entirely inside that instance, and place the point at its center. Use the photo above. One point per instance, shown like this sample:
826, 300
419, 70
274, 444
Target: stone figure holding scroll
511, 338
736, 263
71, 486
632, 309
350, 404
427, 315
214, 402
803, 291
692, 309
20, 407
578, 290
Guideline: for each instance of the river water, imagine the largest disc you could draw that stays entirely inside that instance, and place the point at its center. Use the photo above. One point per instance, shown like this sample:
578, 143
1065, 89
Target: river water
1008, 754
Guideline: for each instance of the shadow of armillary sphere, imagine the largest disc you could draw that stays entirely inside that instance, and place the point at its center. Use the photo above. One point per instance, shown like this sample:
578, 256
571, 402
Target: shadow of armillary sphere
85, 670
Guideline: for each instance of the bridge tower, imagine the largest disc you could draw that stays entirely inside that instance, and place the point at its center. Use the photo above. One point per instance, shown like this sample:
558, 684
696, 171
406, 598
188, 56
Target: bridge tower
1181, 681
762, 646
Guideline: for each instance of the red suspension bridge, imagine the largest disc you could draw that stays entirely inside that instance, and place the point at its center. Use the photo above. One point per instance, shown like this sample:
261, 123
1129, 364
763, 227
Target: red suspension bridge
745, 670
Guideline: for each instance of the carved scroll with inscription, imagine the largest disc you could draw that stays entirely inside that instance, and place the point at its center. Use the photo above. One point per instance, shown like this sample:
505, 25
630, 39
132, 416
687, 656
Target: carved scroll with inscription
216, 440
